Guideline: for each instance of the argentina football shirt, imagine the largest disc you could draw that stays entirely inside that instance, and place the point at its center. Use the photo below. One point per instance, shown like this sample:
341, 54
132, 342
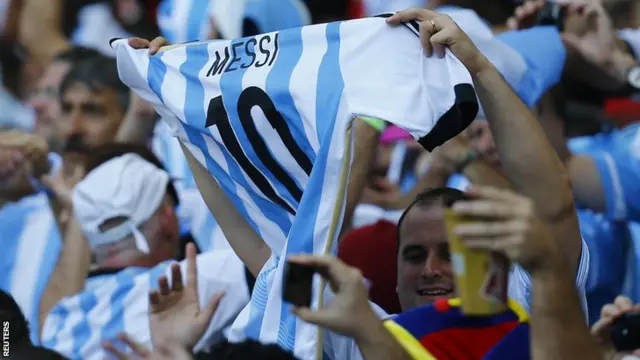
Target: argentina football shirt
270, 117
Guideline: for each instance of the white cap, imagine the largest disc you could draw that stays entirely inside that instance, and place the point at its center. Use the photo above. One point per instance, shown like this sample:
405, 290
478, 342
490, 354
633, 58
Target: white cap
127, 186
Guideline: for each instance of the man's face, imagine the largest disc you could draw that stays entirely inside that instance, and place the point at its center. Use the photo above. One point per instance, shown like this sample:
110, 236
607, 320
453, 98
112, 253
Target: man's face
44, 99
481, 140
95, 116
424, 267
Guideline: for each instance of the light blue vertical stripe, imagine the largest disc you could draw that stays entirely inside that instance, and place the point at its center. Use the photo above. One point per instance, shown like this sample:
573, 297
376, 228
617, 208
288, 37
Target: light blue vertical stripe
330, 86
279, 82
124, 283
166, 14
82, 331
12, 222
198, 17
231, 88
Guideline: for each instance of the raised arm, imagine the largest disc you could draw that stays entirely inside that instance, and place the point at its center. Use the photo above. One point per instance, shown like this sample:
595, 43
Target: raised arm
527, 158
246, 243
39, 30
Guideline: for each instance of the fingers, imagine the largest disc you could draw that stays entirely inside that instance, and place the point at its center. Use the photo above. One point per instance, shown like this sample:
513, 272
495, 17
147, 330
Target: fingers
498, 244
488, 192
469, 231
134, 345
138, 43
156, 44
207, 314
307, 315
491, 210
176, 277
332, 269
602, 328
113, 350
439, 41
192, 266
411, 14
163, 286
153, 46
609, 311
623, 304
154, 298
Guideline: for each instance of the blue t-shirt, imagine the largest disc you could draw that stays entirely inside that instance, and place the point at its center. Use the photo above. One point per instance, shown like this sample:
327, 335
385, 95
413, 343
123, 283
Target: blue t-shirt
616, 154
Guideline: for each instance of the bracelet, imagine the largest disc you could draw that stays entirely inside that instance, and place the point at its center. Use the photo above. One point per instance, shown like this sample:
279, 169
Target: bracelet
377, 124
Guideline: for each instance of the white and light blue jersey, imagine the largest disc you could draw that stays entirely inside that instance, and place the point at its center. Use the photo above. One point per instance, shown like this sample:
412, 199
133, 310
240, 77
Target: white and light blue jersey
269, 117
263, 16
110, 304
613, 234
184, 20
31, 245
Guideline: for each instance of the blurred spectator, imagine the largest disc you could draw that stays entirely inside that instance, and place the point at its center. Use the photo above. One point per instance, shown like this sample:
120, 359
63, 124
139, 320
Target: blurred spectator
93, 102
45, 99
128, 218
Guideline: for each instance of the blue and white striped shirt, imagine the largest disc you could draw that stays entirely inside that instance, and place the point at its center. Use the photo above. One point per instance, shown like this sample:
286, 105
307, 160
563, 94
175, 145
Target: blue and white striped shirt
184, 20
269, 116
31, 245
116, 303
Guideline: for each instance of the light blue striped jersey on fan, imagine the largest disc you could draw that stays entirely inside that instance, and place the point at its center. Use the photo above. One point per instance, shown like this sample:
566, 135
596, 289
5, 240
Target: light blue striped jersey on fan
31, 244
269, 117
184, 20
112, 303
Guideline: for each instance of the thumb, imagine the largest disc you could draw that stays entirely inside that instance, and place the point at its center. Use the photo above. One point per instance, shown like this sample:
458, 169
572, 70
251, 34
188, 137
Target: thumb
210, 309
310, 316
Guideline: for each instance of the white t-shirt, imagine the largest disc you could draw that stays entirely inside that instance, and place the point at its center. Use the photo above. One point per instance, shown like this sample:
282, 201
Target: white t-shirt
269, 115
111, 304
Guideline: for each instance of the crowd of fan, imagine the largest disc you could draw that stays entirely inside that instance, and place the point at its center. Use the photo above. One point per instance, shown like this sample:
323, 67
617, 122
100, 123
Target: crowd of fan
108, 242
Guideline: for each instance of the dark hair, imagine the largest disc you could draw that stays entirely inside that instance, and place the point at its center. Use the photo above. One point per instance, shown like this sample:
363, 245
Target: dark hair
76, 54
445, 197
248, 349
103, 153
11, 312
98, 72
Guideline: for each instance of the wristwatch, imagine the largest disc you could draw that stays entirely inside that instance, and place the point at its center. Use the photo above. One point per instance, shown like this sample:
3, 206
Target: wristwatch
633, 77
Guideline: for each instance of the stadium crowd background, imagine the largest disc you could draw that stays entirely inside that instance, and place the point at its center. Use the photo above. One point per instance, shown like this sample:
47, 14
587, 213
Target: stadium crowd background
99, 203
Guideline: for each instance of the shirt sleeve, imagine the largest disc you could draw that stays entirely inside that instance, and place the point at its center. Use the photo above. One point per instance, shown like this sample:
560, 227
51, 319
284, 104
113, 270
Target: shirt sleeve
520, 285
387, 76
544, 56
620, 177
